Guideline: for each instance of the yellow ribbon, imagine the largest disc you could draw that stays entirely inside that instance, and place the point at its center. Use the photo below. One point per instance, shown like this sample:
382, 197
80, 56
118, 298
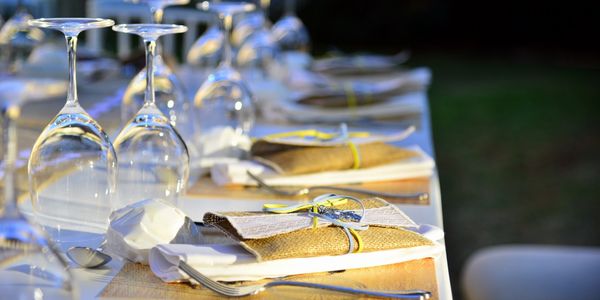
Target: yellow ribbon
328, 200
355, 155
320, 135
350, 96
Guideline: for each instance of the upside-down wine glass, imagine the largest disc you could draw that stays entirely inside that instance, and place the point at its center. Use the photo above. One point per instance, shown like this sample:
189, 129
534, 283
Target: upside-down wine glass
290, 32
224, 102
251, 22
72, 166
258, 47
207, 50
29, 266
171, 96
204, 56
17, 39
153, 158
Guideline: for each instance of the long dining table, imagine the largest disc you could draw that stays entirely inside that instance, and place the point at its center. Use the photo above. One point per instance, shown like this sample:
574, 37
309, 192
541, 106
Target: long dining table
122, 279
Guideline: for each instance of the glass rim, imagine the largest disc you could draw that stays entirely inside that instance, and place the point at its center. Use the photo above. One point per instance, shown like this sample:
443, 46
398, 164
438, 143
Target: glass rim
71, 23
166, 2
210, 6
159, 29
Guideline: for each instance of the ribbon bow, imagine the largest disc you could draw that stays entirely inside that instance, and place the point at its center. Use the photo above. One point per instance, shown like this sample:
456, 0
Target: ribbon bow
323, 207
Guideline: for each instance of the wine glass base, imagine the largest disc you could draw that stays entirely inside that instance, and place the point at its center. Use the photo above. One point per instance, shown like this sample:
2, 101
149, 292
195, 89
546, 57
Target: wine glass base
71, 26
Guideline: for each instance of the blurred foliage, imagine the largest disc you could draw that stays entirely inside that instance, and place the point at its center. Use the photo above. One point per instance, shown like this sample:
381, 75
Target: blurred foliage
517, 149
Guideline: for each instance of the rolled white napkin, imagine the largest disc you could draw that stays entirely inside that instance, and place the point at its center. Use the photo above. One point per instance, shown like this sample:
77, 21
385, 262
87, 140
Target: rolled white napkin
136, 228
233, 263
235, 173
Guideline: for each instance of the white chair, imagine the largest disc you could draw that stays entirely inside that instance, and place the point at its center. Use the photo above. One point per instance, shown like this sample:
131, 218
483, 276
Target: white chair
532, 272
123, 12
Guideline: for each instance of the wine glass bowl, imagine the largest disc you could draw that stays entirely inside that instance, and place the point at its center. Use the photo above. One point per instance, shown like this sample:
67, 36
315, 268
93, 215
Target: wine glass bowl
170, 92
29, 265
291, 34
224, 101
224, 104
153, 158
72, 166
258, 50
245, 27
207, 50
18, 39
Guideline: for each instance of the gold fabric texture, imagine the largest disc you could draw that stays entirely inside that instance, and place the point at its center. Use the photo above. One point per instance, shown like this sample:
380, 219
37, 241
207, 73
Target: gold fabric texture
331, 241
292, 160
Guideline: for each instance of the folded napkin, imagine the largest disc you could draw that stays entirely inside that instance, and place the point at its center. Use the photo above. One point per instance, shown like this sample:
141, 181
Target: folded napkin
348, 94
418, 164
220, 144
136, 228
233, 263
280, 245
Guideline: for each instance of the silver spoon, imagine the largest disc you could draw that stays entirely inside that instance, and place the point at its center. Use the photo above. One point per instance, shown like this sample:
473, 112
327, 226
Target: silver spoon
88, 257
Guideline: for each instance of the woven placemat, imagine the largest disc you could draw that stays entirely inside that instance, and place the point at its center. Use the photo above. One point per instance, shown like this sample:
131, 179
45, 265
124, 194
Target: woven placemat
136, 281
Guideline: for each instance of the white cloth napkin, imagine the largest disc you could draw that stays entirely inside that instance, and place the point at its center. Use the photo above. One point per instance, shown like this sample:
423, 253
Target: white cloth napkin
136, 228
220, 144
235, 173
233, 263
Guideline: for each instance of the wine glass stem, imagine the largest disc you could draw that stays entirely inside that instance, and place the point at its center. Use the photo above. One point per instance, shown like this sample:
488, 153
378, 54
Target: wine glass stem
72, 50
9, 144
157, 14
150, 53
290, 7
227, 23
264, 6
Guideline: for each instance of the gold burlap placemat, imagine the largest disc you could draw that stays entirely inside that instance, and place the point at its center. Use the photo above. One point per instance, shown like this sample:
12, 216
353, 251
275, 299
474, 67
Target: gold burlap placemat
291, 160
331, 241
136, 281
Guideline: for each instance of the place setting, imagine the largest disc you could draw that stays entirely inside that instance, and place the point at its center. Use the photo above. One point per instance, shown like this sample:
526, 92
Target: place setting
159, 194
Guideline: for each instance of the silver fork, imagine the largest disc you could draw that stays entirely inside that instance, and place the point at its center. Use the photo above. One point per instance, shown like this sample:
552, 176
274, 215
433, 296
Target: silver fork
421, 196
234, 291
